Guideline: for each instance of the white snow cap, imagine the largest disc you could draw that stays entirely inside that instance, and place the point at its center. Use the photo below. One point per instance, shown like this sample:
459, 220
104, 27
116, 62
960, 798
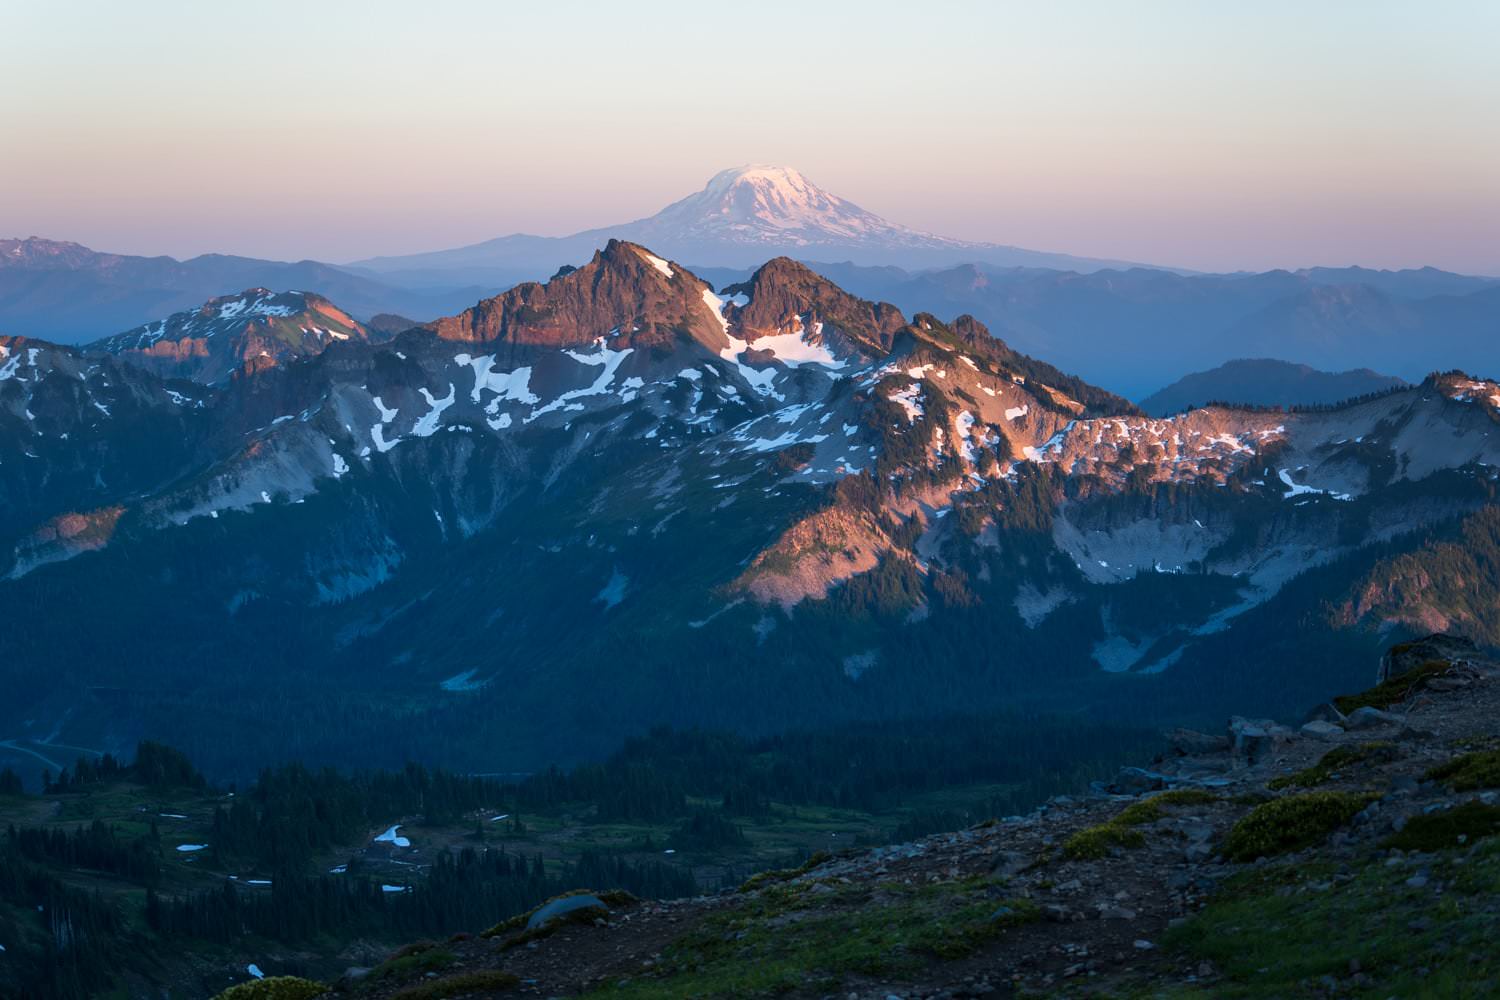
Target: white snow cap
781, 197
767, 203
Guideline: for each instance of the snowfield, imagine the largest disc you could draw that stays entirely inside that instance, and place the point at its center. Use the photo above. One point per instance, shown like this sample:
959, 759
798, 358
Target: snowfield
393, 837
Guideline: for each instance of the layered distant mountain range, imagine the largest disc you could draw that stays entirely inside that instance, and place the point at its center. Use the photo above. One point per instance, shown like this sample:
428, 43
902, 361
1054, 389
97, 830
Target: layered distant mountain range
1136, 331
1130, 328
514, 534
71, 294
1266, 382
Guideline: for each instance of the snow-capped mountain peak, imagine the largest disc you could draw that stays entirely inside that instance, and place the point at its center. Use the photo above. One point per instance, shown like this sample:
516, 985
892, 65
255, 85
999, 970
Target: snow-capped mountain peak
781, 197
775, 205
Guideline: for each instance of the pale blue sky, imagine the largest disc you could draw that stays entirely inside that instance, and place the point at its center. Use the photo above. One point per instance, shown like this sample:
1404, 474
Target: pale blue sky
1210, 135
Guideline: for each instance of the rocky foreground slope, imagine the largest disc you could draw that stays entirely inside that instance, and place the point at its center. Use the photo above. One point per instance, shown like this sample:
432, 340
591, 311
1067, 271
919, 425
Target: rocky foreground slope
1351, 856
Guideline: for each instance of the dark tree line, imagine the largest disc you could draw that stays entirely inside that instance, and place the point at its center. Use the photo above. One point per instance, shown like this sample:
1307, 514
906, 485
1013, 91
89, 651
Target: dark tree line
96, 847
155, 766
462, 892
85, 939
866, 766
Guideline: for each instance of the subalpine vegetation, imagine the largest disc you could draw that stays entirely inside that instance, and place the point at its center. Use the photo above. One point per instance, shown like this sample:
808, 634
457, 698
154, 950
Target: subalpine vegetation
118, 895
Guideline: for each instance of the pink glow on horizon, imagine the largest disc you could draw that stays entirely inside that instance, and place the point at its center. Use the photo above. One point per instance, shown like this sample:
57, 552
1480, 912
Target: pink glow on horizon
1175, 134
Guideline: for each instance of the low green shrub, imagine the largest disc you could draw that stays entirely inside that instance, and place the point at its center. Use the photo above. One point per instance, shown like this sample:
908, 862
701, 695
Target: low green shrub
1470, 771
1291, 823
762, 879
1149, 810
275, 988
1334, 761
1440, 830
1095, 841
419, 957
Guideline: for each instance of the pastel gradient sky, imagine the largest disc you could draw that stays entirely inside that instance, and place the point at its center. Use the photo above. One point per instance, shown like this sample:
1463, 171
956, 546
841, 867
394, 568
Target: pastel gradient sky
1208, 135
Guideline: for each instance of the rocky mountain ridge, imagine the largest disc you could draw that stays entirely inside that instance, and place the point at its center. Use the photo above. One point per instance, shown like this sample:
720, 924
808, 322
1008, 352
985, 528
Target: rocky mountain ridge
795, 486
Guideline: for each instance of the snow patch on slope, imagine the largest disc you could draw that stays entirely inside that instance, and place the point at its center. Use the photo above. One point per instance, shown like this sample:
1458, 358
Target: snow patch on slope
605, 356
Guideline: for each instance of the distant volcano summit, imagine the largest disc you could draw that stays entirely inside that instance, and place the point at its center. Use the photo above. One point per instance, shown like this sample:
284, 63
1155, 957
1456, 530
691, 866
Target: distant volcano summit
739, 218
764, 206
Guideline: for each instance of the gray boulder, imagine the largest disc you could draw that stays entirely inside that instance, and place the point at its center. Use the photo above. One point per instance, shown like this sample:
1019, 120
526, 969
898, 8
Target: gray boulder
1319, 730
1252, 741
1366, 717
561, 907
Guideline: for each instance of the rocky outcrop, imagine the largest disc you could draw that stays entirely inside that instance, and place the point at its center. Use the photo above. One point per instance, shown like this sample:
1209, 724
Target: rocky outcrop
1405, 657
784, 295
814, 555
234, 334
626, 295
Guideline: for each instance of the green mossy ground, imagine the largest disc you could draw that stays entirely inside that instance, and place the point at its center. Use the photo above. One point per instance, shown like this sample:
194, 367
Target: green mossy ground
1412, 940
463, 984
1450, 828
814, 934
417, 959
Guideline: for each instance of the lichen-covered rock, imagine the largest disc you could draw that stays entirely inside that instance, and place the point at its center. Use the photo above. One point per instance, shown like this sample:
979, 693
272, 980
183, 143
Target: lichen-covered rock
559, 908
